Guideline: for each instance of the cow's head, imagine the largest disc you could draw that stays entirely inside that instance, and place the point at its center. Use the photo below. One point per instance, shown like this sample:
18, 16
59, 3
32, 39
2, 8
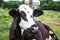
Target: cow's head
26, 15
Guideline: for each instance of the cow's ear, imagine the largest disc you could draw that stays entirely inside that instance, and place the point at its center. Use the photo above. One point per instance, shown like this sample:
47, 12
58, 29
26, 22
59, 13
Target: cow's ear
14, 12
37, 12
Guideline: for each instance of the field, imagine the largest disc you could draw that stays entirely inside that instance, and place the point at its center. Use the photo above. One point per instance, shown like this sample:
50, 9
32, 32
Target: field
6, 20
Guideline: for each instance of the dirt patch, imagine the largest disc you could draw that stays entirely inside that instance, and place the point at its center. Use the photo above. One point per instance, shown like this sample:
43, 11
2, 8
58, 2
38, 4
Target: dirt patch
55, 23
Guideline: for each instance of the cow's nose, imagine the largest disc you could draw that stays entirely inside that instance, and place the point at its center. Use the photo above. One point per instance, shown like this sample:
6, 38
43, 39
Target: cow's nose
35, 28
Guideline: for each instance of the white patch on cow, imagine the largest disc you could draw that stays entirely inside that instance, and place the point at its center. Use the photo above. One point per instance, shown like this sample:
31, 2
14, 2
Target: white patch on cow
50, 32
36, 18
47, 39
33, 39
35, 29
50, 37
22, 30
54, 36
24, 24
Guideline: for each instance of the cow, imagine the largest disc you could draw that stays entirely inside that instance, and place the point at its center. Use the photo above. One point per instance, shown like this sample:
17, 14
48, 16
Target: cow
24, 24
22, 20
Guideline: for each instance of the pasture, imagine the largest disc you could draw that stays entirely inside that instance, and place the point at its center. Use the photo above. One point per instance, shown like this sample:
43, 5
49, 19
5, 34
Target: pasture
6, 20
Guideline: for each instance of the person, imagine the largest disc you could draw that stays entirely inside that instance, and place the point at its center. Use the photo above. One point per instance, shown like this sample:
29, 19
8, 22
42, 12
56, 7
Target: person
35, 4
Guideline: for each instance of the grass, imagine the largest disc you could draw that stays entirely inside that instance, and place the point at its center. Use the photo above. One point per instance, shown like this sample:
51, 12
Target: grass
49, 15
4, 35
5, 22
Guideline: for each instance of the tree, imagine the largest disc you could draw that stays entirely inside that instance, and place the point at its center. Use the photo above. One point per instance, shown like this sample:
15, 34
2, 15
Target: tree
1, 1
48, 1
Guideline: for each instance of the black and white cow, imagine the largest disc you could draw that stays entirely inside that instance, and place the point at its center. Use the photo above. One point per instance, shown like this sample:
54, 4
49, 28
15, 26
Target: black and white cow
22, 20
24, 25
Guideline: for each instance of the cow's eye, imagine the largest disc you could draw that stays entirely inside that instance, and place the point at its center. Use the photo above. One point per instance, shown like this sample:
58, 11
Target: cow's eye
23, 15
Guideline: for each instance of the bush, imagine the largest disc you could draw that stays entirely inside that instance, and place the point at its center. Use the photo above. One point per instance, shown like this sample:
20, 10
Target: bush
57, 7
50, 5
11, 4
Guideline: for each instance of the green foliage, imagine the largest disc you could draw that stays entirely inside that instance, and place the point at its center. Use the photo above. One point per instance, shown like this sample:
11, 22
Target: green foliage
5, 23
45, 4
5, 20
1, 1
4, 35
51, 5
11, 4
57, 6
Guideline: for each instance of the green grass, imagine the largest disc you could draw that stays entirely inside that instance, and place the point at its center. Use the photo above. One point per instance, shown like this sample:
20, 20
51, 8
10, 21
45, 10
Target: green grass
49, 15
5, 22
4, 35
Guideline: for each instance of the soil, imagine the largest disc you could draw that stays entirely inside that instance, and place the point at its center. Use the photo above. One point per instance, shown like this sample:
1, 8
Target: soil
55, 23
